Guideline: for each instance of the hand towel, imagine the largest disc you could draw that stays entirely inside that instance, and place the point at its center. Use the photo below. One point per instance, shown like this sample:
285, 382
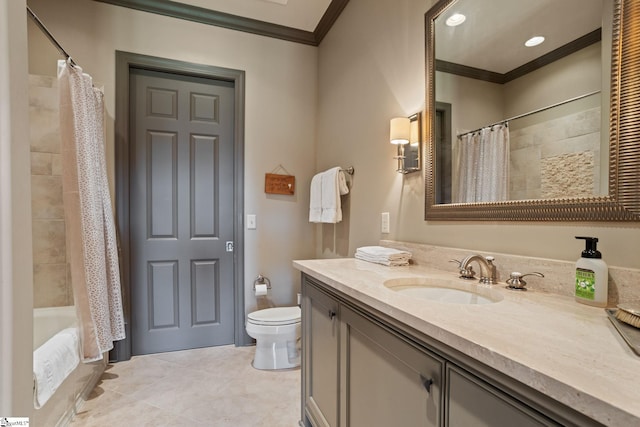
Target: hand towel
53, 361
315, 202
342, 183
331, 205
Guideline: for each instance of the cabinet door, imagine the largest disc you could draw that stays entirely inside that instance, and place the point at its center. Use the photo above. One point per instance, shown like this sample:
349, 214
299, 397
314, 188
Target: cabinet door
320, 349
472, 402
387, 381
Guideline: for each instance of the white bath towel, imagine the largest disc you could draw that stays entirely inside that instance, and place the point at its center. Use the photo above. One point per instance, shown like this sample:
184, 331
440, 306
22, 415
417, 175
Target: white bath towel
342, 183
382, 255
53, 361
331, 204
326, 188
315, 204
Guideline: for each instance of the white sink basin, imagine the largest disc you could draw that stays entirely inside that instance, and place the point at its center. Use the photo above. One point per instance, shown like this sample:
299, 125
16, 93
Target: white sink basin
444, 291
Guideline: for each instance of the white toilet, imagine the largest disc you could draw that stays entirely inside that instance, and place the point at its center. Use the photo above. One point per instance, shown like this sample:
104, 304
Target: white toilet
276, 331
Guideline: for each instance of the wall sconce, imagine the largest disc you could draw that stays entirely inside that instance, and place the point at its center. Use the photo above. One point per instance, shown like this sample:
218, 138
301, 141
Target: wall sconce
399, 135
405, 133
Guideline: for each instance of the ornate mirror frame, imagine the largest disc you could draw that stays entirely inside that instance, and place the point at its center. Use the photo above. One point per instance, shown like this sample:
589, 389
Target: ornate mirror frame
623, 201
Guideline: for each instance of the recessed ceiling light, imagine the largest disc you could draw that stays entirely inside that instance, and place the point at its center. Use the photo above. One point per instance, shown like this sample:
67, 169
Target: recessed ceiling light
455, 19
534, 41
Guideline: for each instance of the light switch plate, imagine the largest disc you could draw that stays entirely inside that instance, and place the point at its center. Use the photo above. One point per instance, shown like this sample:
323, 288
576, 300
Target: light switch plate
251, 222
384, 222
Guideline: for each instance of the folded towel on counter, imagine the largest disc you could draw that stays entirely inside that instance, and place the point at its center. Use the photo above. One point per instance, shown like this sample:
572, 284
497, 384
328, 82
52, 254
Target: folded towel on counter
326, 188
382, 255
53, 361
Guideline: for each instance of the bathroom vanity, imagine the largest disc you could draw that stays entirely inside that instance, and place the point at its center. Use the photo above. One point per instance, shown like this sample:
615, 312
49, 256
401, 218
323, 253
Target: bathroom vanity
373, 356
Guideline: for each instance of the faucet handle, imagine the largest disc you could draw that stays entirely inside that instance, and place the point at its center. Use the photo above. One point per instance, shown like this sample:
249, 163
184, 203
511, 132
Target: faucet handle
516, 281
465, 273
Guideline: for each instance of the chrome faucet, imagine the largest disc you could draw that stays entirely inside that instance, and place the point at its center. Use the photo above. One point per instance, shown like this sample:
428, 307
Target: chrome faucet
488, 275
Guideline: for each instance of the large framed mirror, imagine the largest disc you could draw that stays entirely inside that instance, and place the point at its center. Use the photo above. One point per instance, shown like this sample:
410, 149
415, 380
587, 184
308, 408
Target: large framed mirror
543, 133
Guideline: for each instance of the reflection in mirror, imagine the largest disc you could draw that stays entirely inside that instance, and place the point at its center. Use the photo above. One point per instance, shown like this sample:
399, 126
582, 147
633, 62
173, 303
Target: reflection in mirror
442, 152
527, 125
526, 120
412, 149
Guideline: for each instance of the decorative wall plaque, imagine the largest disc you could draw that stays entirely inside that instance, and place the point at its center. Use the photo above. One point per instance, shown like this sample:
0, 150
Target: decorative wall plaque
279, 184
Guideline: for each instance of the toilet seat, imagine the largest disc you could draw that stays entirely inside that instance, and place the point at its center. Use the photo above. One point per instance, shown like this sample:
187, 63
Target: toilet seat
277, 316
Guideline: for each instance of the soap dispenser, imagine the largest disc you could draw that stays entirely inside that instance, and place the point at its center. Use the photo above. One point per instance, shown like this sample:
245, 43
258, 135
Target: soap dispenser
592, 275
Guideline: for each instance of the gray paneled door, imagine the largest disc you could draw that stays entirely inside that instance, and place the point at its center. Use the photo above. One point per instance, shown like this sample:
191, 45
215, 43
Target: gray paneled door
181, 212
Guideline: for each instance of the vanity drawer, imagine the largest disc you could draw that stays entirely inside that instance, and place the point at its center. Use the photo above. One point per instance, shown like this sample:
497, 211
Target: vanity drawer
473, 402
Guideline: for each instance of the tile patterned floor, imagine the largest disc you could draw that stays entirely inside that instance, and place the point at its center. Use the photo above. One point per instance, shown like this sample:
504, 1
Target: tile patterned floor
214, 387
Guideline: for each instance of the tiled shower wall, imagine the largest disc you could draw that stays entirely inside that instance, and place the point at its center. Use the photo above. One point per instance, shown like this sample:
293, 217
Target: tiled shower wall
556, 158
52, 284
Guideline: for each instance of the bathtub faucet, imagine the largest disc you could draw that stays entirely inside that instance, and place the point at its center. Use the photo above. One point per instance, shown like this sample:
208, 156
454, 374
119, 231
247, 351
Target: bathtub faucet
488, 274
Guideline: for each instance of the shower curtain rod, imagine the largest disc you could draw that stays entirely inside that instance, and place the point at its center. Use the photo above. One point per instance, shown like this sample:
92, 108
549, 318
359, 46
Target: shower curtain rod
539, 110
47, 33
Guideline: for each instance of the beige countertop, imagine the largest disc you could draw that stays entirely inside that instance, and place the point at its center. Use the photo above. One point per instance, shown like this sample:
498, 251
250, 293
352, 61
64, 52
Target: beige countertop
566, 350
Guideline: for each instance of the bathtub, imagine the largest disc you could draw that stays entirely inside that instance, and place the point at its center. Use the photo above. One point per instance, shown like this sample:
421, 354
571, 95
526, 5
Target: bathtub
68, 398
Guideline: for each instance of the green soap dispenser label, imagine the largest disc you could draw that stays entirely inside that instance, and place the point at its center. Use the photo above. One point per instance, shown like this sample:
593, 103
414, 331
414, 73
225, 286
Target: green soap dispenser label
585, 284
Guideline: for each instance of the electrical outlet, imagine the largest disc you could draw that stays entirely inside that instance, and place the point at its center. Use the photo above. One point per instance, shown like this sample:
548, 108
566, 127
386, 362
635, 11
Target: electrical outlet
384, 222
251, 222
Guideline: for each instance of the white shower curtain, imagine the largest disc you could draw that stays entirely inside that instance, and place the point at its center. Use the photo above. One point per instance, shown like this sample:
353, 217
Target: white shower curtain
91, 238
481, 165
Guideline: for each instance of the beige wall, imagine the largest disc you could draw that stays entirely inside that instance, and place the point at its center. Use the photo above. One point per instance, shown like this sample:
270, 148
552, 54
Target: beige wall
372, 69
569, 77
478, 103
474, 103
16, 296
280, 110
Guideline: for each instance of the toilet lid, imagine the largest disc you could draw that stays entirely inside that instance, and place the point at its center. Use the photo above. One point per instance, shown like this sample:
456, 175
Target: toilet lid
275, 316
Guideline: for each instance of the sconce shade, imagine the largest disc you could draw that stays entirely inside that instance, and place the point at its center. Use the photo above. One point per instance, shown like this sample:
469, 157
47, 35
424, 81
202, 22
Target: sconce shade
400, 130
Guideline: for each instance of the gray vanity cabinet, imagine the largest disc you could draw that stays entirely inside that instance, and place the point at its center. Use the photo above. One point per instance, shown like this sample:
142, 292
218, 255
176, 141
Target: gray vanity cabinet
320, 352
358, 373
363, 368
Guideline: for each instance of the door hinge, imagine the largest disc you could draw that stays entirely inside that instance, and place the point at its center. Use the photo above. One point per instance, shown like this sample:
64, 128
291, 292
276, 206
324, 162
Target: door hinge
229, 246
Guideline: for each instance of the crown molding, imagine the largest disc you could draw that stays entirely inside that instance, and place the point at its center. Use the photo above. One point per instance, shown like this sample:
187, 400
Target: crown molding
235, 22
546, 59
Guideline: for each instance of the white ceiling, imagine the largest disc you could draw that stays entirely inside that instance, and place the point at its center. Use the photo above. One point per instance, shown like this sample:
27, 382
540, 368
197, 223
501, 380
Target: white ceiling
300, 14
492, 38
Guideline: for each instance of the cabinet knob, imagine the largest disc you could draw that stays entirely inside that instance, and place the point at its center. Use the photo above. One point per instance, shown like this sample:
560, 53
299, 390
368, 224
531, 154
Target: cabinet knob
426, 382
332, 314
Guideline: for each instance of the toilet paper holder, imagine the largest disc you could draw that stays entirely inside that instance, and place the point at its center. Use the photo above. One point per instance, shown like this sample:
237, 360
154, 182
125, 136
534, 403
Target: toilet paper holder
261, 280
